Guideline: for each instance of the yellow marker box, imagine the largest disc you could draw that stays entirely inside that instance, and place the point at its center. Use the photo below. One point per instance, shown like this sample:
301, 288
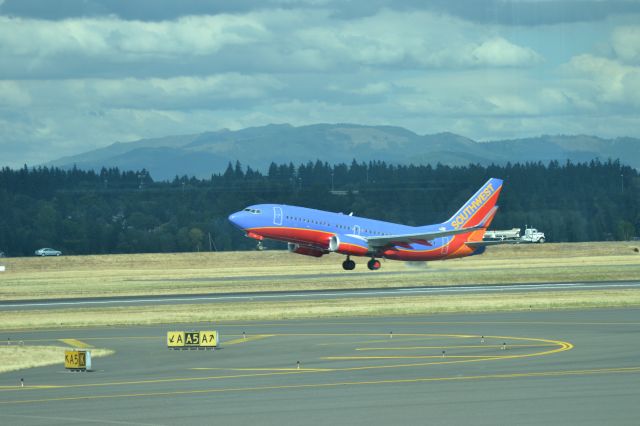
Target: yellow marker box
175, 339
75, 360
208, 339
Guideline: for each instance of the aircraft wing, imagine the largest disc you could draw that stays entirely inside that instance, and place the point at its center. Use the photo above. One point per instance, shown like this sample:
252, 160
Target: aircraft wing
420, 238
423, 238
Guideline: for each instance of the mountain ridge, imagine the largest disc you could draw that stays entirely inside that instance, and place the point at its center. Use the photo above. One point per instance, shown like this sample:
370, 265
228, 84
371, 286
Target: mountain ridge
205, 153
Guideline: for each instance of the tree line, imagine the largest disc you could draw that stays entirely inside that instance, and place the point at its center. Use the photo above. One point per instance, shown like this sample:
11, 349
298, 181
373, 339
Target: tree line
113, 211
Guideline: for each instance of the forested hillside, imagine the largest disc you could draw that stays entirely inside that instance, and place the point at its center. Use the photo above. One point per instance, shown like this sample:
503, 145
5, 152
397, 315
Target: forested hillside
81, 212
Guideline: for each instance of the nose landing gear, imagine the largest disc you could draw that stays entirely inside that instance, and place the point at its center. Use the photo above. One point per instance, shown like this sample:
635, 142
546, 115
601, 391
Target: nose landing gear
348, 264
374, 264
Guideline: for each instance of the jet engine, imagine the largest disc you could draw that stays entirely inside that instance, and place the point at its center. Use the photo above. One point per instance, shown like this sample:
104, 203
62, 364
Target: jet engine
307, 251
346, 244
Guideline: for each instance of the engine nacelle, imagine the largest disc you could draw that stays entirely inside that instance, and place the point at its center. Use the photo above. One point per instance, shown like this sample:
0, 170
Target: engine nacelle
478, 251
307, 251
345, 244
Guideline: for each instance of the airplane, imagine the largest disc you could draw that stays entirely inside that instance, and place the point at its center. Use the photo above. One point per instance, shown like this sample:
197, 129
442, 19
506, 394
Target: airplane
316, 232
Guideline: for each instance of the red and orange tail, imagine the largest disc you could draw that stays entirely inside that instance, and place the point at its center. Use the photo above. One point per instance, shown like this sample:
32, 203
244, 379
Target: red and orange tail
479, 208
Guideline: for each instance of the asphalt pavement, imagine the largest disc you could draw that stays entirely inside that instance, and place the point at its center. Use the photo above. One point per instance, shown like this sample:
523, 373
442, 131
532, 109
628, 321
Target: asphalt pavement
557, 367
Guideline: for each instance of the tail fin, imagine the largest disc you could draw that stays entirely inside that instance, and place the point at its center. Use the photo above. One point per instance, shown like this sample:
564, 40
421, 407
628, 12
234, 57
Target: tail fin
479, 209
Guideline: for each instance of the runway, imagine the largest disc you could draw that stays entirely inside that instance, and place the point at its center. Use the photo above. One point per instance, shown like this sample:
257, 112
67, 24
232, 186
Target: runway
569, 367
308, 295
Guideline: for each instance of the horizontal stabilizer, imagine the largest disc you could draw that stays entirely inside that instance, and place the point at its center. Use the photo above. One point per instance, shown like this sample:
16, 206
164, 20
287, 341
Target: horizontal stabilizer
474, 244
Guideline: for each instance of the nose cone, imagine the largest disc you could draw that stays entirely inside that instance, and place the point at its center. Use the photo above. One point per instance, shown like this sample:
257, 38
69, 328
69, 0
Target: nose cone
235, 218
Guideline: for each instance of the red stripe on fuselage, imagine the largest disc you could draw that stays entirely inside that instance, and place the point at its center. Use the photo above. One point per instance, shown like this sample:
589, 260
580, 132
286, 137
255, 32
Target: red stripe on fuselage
295, 235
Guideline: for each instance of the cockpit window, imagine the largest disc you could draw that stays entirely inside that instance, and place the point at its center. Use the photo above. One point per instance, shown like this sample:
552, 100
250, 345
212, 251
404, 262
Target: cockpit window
252, 211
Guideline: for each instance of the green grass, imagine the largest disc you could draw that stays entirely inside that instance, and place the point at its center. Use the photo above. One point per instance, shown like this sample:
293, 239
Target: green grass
153, 274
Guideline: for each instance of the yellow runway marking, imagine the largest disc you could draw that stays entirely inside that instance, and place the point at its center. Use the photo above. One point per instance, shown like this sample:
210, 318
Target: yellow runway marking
359, 358
398, 338
411, 348
246, 339
145, 382
559, 373
76, 343
421, 335
4, 387
262, 369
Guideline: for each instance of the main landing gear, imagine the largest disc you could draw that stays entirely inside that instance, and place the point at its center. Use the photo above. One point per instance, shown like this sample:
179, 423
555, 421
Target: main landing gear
373, 264
349, 264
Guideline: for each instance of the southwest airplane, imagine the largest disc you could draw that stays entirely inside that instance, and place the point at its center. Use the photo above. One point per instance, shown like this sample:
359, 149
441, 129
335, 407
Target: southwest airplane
316, 232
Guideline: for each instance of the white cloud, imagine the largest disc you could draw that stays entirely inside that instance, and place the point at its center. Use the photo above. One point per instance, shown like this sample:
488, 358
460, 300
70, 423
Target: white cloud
282, 40
499, 52
626, 44
606, 80
13, 96
209, 92
416, 39
191, 35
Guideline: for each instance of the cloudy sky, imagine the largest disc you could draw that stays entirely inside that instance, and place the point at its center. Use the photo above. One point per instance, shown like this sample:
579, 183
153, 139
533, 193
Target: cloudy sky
80, 74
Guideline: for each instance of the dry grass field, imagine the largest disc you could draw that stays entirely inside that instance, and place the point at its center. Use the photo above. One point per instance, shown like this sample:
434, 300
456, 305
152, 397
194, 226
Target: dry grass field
151, 274
328, 308
16, 357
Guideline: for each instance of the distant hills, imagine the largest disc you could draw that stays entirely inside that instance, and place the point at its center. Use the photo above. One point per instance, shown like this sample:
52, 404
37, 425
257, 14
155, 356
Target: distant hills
202, 154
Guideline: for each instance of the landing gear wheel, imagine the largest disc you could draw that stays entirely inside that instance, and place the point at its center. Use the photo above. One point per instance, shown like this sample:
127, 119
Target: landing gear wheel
259, 247
348, 265
374, 264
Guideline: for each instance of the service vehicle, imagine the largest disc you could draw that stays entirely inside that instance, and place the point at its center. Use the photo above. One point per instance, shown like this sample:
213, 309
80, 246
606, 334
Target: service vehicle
531, 235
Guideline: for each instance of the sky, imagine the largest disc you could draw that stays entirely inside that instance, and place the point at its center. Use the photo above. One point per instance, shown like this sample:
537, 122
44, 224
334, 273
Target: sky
77, 75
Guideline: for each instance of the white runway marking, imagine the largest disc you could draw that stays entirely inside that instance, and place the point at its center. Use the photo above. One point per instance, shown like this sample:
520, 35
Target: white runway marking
315, 295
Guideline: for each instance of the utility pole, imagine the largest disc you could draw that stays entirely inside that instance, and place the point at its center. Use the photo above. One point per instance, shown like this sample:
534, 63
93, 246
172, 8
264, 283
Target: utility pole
212, 244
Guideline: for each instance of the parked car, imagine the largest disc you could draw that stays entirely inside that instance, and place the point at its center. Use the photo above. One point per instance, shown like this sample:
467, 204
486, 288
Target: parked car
48, 252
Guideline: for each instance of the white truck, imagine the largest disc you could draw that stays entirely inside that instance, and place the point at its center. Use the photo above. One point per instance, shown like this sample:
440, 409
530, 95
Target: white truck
531, 235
